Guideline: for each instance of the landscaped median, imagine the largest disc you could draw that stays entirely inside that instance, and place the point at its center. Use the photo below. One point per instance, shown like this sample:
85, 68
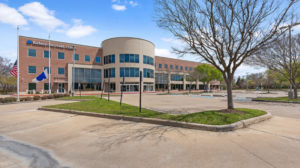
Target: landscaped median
277, 99
207, 120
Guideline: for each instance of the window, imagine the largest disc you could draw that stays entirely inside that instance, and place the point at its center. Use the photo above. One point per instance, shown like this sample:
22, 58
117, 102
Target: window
76, 57
175, 77
60, 55
32, 52
47, 69
109, 59
87, 75
148, 60
32, 69
176, 67
98, 59
46, 86
148, 73
109, 73
181, 68
31, 86
166, 66
185, 68
159, 65
171, 66
129, 58
87, 58
61, 71
190, 68
129, 72
46, 54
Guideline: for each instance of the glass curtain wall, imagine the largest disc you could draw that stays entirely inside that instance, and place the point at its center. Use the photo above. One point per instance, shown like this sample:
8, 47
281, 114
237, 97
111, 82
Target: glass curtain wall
87, 79
161, 81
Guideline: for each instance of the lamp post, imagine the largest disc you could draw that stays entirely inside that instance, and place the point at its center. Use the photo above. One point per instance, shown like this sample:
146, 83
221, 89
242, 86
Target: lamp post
290, 54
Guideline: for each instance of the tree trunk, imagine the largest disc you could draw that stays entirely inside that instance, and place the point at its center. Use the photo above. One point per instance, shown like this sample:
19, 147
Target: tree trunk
229, 94
296, 92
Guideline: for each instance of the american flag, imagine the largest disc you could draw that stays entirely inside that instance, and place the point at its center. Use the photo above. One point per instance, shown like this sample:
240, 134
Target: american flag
14, 70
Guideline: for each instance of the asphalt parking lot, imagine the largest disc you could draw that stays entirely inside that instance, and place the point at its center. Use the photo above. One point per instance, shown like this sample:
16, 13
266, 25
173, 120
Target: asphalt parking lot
40, 139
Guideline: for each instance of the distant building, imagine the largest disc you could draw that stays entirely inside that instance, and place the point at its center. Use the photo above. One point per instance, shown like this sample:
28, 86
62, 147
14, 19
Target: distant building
97, 68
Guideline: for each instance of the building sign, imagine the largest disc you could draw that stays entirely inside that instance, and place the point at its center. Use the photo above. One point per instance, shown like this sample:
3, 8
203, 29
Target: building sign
37, 43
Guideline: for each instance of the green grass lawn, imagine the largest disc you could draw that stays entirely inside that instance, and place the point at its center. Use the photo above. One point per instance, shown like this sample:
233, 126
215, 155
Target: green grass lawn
85, 97
112, 107
78, 97
278, 99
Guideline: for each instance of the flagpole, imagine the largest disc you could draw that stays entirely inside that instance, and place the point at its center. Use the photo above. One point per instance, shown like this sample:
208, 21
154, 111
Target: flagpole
49, 68
73, 72
18, 66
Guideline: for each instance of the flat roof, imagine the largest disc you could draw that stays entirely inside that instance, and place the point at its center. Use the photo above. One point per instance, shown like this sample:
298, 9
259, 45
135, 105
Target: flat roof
179, 59
130, 38
61, 42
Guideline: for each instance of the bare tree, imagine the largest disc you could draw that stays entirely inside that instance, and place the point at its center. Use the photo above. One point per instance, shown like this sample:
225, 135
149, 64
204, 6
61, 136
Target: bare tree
278, 57
222, 32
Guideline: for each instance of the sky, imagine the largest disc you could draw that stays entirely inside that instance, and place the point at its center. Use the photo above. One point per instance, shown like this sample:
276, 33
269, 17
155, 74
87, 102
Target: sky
87, 22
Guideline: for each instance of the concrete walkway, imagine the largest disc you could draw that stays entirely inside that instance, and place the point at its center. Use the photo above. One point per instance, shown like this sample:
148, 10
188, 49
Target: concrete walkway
87, 142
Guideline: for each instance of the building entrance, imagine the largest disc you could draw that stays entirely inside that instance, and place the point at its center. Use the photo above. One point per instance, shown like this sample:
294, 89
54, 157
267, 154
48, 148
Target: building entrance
61, 88
129, 87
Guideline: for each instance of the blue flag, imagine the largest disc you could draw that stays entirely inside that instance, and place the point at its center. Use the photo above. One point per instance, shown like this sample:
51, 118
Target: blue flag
41, 77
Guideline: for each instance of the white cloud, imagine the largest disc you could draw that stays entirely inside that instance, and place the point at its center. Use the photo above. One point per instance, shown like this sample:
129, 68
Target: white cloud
133, 3
40, 15
9, 54
119, 7
173, 41
11, 16
79, 30
246, 69
164, 53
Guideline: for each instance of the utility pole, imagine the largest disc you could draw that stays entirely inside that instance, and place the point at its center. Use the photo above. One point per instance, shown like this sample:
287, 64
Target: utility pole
18, 66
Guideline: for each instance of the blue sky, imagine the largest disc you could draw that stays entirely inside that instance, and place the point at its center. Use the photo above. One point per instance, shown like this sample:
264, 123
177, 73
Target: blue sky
86, 22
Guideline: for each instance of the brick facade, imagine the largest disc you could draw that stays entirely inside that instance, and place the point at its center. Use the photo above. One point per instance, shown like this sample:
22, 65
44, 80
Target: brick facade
41, 45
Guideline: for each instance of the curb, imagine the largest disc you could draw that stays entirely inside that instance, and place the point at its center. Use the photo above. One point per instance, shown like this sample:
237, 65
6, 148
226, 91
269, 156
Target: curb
275, 101
215, 128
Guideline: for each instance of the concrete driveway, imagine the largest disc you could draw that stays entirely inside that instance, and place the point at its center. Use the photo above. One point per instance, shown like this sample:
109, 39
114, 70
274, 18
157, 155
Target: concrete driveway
40, 139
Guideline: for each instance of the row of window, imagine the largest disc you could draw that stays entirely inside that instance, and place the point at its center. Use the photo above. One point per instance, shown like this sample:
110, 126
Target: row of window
61, 56
176, 67
175, 77
32, 86
109, 59
128, 72
87, 75
148, 60
32, 70
109, 73
129, 58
